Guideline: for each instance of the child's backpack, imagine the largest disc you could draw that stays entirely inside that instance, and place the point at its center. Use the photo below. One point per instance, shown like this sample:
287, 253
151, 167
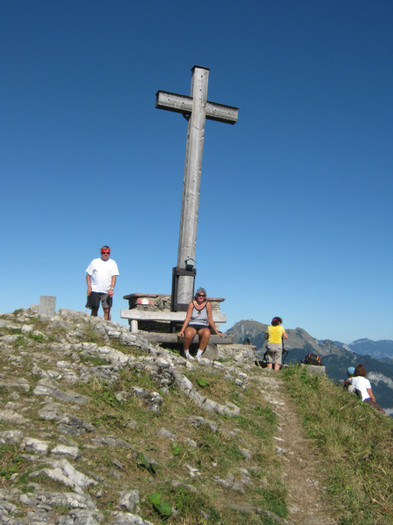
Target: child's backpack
312, 359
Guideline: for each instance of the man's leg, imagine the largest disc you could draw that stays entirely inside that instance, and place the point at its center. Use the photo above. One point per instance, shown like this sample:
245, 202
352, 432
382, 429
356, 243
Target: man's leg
94, 300
106, 306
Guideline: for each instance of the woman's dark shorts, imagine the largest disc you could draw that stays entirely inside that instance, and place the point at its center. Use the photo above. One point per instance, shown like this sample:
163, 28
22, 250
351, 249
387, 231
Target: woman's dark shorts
198, 327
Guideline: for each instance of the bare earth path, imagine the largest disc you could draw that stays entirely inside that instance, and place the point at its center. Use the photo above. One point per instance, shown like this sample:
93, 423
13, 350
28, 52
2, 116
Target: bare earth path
307, 504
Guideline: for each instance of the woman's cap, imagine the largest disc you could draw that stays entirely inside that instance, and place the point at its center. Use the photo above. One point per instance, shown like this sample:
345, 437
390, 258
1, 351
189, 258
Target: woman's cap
351, 370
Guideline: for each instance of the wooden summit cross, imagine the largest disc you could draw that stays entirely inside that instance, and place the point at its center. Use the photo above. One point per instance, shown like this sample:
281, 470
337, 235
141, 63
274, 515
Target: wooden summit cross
196, 109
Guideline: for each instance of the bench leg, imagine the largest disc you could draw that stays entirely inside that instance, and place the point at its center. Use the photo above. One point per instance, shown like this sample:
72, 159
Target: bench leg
134, 326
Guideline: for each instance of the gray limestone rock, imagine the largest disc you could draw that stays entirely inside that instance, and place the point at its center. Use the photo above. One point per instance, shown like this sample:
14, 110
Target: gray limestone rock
128, 500
74, 426
165, 433
111, 442
126, 518
11, 436
153, 399
66, 451
35, 445
315, 370
68, 425
10, 416
6, 509
18, 383
197, 421
48, 387
80, 517
70, 500
9, 339
63, 472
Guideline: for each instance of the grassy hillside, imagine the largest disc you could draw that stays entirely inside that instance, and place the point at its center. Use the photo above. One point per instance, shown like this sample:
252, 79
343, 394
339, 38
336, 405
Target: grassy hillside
335, 358
99, 426
355, 443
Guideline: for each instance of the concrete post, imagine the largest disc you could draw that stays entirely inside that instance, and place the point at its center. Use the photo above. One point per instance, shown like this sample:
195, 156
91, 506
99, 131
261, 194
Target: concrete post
47, 305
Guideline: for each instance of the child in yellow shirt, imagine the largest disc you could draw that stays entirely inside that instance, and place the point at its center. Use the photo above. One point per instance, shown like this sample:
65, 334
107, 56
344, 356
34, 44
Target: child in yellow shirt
274, 334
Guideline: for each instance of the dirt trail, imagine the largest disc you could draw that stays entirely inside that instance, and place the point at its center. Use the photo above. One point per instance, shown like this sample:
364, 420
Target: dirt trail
307, 504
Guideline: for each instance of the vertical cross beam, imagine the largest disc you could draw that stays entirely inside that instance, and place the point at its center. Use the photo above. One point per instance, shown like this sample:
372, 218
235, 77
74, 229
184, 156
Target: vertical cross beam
197, 109
192, 182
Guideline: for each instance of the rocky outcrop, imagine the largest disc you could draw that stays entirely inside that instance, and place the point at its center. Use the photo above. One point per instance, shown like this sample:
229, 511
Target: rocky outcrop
43, 420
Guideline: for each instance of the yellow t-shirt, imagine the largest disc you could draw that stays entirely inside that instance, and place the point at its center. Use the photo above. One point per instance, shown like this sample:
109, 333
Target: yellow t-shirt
275, 333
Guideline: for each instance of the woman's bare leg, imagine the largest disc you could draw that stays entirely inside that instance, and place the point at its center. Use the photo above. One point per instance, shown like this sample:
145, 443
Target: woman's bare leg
189, 335
204, 336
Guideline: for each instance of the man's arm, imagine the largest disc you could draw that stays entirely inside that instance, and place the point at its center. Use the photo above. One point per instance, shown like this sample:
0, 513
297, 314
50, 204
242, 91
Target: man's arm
88, 281
113, 284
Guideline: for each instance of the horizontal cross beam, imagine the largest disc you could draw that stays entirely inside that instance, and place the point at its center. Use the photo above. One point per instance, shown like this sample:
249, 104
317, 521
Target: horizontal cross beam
183, 104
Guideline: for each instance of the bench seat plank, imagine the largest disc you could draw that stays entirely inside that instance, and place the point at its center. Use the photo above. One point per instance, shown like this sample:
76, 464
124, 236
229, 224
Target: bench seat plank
149, 315
156, 337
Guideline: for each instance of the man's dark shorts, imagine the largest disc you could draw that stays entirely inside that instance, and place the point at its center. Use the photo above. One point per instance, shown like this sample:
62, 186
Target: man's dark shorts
95, 298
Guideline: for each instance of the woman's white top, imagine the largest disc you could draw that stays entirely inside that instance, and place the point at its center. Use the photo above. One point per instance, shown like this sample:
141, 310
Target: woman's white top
362, 384
199, 316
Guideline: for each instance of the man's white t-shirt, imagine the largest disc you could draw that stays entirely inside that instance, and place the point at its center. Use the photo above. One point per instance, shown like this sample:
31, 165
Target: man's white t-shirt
101, 273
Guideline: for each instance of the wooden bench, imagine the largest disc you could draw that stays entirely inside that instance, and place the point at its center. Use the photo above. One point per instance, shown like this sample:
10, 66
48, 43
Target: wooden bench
166, 317
135, 315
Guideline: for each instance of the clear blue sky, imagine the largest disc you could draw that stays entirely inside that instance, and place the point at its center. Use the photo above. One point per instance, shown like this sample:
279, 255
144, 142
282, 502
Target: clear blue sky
295, 214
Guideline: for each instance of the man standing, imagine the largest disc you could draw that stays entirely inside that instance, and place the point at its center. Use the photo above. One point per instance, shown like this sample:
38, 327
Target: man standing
101, 280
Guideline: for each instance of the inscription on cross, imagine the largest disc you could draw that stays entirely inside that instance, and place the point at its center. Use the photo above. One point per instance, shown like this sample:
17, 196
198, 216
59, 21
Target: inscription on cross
196, 108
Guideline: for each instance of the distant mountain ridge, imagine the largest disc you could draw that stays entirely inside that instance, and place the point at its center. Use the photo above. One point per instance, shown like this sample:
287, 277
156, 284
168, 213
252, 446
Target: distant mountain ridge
381, 349
336, 356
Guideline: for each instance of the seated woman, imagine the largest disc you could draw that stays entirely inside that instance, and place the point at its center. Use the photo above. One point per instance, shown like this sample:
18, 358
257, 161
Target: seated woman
363, 387
199, 320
